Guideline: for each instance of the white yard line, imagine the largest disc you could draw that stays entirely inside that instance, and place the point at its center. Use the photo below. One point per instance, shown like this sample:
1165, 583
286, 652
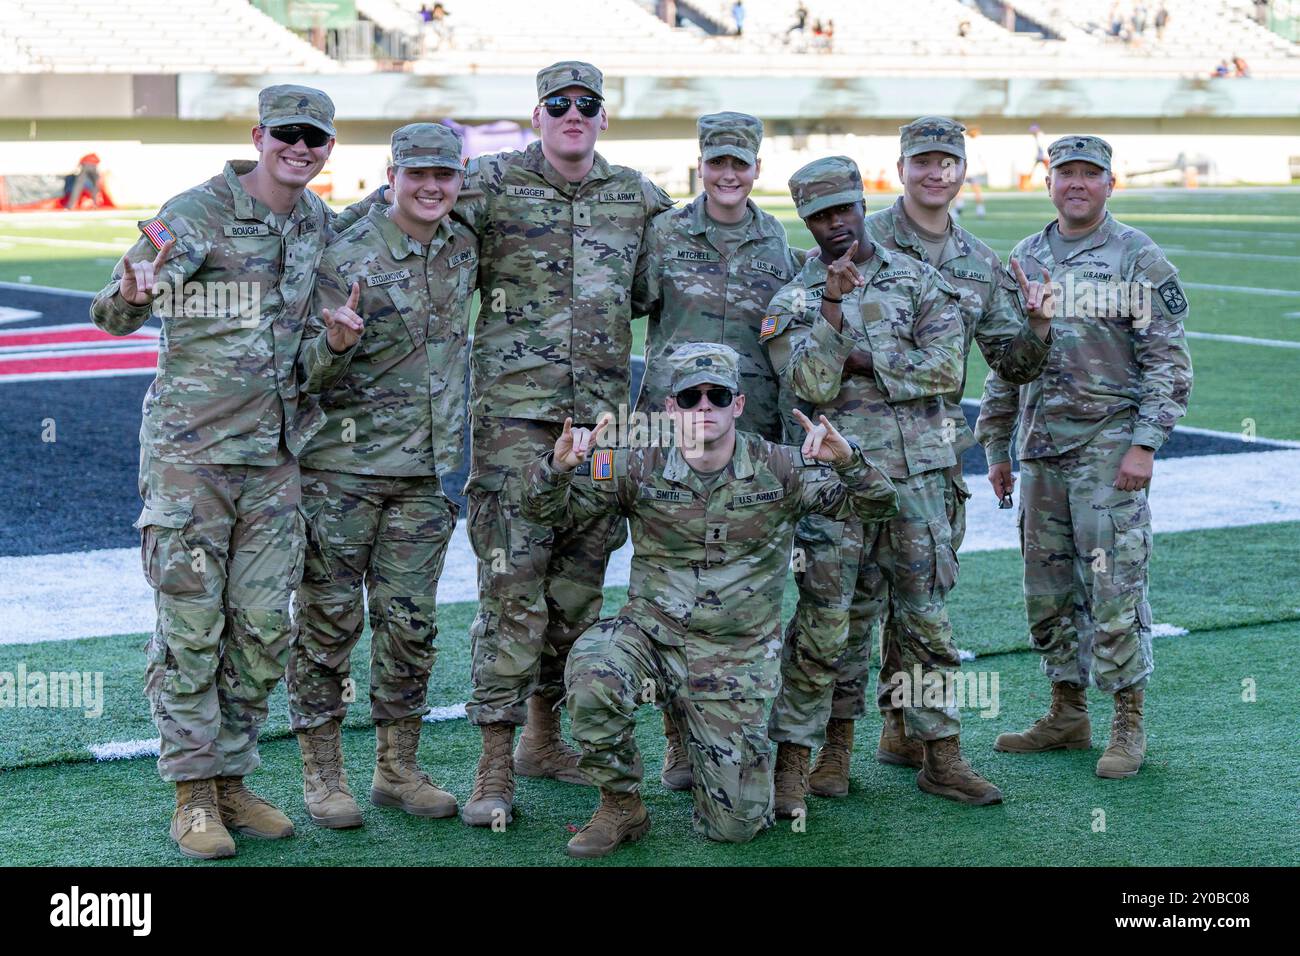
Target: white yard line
29, 287
1242, 340
70, 243
1251, 290
57, 597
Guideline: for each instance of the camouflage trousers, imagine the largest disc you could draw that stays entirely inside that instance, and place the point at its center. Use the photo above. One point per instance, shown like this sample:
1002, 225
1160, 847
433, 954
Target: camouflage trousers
614, 668
897, 572
391, 534
539, 587
1087, 549
222, 547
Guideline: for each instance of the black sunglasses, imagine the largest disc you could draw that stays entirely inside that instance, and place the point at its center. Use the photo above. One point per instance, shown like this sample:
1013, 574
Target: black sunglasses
557, 106
719, 397
313, 136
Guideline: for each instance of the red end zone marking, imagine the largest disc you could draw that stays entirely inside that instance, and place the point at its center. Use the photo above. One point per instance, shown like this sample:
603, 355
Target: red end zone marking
12, 338
81, 363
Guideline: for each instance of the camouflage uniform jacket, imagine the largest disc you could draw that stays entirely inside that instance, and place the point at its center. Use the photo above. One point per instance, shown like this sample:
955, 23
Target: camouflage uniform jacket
909, 319
709, 563
226, 389
1100, 365
991, 309
554, 330
395, 401
693, 292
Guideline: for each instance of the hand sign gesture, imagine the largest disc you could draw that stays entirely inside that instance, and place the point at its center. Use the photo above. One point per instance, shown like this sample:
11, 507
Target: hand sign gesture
343, 325
842, 276
139, 278
1039, 300
823, 442
575, 444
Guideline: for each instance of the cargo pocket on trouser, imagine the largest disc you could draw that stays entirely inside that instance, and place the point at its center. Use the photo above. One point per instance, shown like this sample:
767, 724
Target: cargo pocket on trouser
316, 561
955, 497
1121, 616
945, 558
817, 561
741, 806
487, 524
170, 565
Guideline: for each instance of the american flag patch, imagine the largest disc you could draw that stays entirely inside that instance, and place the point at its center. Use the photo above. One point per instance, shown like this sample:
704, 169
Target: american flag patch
602, 465
157, 232
768, 327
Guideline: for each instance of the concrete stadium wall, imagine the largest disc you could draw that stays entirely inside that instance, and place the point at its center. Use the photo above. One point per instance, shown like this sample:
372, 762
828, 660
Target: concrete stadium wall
147, 161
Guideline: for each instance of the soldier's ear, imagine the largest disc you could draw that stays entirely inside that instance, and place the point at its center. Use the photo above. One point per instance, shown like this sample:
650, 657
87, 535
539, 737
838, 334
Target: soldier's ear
392, 176
738, 405
258, 133
537, 117
900, 169
604, 120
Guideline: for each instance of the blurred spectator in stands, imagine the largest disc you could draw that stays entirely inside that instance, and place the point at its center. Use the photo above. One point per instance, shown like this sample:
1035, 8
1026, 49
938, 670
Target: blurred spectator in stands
1040, 151
1140, 19
1240, 69
84, 180
738, 17
1224, 69
1116, 21
800, 20
829, 36
1261, 12
963, 29
977, 171
1162, 21
425, 14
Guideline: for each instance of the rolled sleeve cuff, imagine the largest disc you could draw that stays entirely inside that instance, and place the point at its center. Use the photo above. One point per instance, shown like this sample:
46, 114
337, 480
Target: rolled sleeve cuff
831, 343
1152, 436
997, 451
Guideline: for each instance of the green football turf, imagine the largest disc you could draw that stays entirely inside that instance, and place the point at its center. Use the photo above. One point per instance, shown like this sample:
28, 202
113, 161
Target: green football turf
1248, 239
1217, 789
1192, 587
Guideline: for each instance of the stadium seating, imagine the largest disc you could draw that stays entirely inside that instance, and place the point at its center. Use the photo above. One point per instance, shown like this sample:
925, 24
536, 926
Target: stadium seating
151, 36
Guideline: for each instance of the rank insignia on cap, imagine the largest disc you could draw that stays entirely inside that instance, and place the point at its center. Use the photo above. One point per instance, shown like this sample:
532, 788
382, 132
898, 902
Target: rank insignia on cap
767, 328
602, 465
157, 232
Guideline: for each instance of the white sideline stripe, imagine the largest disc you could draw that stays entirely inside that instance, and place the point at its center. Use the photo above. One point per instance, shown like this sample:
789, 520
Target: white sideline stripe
79, 326
77, 349
75, 243
1208, 432
1242, 340
95, 373
28, 287
60, 597
9, 314
132, 749
1220, 254
1252, 290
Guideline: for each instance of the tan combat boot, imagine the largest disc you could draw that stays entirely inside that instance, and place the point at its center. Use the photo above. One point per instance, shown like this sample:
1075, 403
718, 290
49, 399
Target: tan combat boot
790, 779
620, 818
1065, 725
196, 824
1128, 738
895, 746
399, 781
324, 781
245, 811
494, 782
945, 773
830, 774
677, 773
542, 751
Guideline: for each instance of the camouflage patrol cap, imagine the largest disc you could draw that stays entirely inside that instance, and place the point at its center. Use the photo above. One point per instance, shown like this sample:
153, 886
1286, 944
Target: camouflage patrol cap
426, 144
730, 134
1090, 149
569, 73
288, 105
823, 183
932, 134
697, 363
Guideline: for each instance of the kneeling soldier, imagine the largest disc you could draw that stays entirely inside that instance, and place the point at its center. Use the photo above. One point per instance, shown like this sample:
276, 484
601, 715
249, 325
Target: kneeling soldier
394, 398
712, 522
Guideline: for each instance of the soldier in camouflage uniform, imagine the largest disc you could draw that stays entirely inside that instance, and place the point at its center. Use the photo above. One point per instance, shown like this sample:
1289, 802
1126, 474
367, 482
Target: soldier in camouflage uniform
372, 491
1118, 379
711, 270
932, 168
874, 339
712, 522
229, 267
561, 232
